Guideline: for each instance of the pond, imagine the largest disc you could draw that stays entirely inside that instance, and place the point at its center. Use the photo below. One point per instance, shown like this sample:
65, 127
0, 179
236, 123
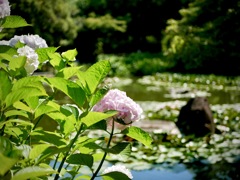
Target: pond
162, 96
174, 157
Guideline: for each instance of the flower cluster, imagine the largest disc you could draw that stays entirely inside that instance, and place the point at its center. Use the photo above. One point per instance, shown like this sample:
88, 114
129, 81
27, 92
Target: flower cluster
118, 168
32, 58
4, 8
128, 110
31, 42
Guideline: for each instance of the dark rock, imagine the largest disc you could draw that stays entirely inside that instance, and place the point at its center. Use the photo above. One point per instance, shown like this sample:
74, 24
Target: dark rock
195, 118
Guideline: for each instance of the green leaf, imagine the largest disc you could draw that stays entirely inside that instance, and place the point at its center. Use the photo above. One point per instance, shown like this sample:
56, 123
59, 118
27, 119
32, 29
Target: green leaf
37, 150
71, 89
47, 136
68, 72
8, 155
56, 61
124, 148
22, 106
70, 55
43, 53
94, 117
22, 93
32, 172
115, 175
18, 121
13, 22
15, 112
46, 107
8, 50
139, 135
94, 75
5, 85
98, 96
81, 159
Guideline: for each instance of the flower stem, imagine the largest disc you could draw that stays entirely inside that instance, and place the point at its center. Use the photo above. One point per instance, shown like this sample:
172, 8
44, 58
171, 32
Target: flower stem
67, 153
105, 153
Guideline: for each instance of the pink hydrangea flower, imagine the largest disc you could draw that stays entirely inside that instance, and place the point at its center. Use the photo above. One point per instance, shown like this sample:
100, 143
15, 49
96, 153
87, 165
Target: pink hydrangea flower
118, 168
4, 8
128, 110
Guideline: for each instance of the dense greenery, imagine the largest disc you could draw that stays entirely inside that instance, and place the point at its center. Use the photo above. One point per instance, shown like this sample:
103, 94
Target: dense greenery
206, 38
193, 35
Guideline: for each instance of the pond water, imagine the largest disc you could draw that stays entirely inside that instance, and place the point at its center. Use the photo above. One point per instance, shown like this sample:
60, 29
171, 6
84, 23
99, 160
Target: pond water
141, 91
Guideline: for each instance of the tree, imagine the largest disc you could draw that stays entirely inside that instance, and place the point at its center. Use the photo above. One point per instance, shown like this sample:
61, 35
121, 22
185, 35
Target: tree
54, 20
206, 38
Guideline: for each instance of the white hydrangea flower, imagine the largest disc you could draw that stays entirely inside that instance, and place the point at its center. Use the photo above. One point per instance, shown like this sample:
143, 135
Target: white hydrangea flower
32, 59
118, 168
4, 42
128, 110
4, 8
33, 41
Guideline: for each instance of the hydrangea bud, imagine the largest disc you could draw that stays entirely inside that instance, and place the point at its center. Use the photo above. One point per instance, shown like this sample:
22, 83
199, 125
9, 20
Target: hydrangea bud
118, 168
33, 41
4, 8
32, 58
128, 110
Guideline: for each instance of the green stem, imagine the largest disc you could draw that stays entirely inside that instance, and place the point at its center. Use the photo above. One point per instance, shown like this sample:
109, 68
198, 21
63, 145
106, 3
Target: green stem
67, 153
105, 153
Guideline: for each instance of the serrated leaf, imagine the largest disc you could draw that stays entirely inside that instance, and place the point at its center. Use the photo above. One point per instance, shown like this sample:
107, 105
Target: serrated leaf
32, 172
98, 96
37, 150
94, 117
47, 136
43, 53
94, 75
124, 148
81, 159
14, 22
71, 89
68, 72
56, 61
22, 93
16, 113
139, 135
18, 121
22, 106
70, 55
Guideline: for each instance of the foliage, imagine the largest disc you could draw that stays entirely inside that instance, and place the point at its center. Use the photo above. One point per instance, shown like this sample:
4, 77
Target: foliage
54, 20
135, 64
204, 38
29, 151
